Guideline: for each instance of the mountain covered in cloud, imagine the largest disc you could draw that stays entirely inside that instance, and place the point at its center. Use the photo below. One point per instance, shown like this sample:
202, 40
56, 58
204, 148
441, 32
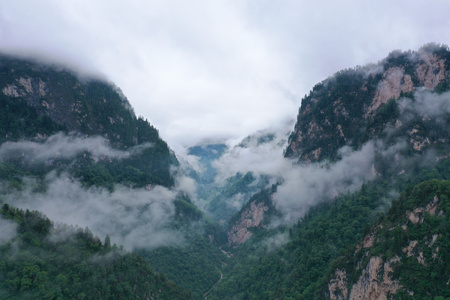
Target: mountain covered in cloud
302, 212
73, 149
73, 115
364, 137
358, 105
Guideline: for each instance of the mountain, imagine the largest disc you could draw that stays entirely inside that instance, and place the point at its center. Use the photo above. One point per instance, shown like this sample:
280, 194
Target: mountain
73, 148
357, 105
363, 137
353, 203
39, 101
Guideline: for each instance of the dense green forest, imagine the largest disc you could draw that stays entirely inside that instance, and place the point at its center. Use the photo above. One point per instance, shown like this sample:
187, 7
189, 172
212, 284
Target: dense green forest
394, 233
47, 261
296, 270
196, 265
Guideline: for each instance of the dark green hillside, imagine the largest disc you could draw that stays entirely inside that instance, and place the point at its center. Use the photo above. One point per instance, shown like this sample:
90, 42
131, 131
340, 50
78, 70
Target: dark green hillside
38, 101
412, 241
295, 270
43, 261
196, 265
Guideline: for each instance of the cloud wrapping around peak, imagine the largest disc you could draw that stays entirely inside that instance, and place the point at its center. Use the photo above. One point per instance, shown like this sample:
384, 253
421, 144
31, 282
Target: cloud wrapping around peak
427, 104
305, 186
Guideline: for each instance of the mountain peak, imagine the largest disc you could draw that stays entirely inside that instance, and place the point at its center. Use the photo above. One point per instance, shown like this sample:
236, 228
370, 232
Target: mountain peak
352, 106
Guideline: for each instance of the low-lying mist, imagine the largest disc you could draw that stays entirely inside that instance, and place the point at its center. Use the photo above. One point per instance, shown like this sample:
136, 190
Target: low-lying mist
302, 186
134, 218
141, 218
64, 146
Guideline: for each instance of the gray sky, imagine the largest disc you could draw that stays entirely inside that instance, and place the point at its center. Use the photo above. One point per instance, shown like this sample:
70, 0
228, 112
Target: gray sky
224, 69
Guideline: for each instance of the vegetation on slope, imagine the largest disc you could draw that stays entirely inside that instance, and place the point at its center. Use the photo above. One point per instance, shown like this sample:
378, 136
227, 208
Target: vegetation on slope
47, 261
412, 239
296, 269
38, 101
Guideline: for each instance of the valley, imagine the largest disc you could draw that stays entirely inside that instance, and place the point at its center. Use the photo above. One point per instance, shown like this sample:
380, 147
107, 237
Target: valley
351, 202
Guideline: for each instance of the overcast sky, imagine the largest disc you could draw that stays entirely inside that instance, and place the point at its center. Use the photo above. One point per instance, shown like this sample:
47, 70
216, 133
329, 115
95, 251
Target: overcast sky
213, 68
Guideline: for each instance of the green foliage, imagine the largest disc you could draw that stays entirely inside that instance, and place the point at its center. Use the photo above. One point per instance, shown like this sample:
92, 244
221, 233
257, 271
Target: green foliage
295, 269
194, 266
47, 262
320, 241
394, 232
19, 121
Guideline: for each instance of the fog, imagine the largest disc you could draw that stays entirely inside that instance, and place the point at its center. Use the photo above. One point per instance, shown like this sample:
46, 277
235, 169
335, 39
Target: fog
137, 218
8, 230
302, 186
134, 218
65, 147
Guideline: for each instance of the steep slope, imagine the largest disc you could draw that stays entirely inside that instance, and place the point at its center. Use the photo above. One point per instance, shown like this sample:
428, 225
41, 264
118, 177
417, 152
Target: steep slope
38, 101
42, 261
403, 256
73, 148
355, 106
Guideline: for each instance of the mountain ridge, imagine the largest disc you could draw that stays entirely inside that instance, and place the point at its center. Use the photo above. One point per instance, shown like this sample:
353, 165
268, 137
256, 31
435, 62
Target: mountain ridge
363, 137
346, 108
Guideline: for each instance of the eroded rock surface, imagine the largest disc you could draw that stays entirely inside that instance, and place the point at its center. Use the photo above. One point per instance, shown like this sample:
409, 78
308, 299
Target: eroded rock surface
251, 217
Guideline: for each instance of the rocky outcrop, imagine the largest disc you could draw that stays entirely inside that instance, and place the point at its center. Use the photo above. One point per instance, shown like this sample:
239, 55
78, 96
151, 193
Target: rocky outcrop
431, 70
347, 109
375, 281
337, 287
250, 217
409, 247
417, 215
394, 82
24, 86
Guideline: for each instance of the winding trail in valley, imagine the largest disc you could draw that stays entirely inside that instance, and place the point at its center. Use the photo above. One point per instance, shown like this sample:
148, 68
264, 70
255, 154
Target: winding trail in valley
205, 295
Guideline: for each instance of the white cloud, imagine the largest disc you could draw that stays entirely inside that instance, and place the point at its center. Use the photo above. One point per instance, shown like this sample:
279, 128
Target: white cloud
65, 146
223, 68
133, 218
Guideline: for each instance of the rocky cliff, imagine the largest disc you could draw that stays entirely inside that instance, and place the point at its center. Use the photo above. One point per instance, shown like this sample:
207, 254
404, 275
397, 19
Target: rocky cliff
252, 217
354, 106
404, 255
